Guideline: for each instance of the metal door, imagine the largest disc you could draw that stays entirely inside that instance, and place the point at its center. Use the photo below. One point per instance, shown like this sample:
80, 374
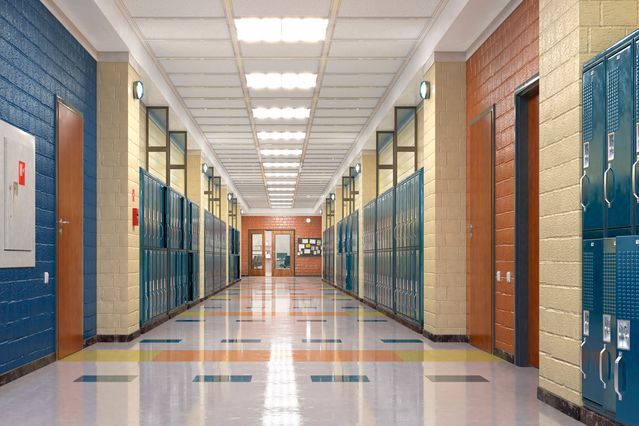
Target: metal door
606, 355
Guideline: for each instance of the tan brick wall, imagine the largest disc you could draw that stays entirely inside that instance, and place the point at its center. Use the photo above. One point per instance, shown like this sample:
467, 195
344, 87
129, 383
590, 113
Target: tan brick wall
196, 185
118, 175
444, 160
570, 32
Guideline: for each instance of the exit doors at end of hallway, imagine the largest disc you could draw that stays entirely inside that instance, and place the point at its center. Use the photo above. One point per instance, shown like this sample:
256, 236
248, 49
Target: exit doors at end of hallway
271, 253
69, 227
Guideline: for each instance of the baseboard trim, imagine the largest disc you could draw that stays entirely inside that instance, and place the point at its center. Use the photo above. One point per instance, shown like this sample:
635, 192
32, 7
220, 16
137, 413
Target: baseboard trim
25, 369
500, 353
582, 414
445, 338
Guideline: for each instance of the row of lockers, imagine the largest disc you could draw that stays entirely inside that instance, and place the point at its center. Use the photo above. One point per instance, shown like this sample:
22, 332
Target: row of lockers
347, 252
234, 255
214, 254
328, 264
393, 249
610, 252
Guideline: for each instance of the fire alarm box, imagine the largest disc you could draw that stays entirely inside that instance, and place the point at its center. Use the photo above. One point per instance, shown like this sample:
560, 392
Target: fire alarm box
17, 194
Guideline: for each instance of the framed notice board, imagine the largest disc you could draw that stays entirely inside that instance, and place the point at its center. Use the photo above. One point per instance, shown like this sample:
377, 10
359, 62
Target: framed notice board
309, 246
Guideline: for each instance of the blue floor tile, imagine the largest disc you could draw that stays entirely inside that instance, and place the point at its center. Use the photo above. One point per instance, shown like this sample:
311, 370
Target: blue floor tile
223, 379
161, 341
350, 379
457, 379
372, 320
402, 341
189, 320
105, 379
312, 320
322, 341
250, 320
241, 341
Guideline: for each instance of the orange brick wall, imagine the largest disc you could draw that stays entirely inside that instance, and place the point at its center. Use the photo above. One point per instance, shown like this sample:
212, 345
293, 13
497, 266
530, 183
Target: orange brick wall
504, 62
303, 265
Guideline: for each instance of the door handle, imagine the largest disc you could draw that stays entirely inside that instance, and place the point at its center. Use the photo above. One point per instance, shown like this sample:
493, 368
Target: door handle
634, 180
470, 231
601, 367
581, 359
617, 361
63, 222
605, 178
581, 191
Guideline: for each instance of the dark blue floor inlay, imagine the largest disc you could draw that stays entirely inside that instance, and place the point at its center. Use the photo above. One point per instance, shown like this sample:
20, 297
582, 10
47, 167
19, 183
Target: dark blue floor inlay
251, 320
241, 341
326, 379
311, 320
189, 320
457, 379
322, 341
402, 341
352, 307
105, 379
372, 320
223, 379
212, 307
161, 341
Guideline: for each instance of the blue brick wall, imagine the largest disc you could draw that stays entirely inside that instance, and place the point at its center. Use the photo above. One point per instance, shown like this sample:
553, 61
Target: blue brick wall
40, 60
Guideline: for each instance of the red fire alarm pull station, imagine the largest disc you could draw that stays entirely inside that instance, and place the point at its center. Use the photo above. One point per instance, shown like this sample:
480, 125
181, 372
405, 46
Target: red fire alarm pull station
22, 173
136, 217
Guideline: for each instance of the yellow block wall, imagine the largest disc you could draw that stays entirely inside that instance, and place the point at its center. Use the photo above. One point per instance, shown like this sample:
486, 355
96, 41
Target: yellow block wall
196, 185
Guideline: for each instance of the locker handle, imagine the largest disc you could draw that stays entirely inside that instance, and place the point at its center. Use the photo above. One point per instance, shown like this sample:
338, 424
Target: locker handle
601, 366
605, 182
581, 360
581, 191
634, 180
617, 361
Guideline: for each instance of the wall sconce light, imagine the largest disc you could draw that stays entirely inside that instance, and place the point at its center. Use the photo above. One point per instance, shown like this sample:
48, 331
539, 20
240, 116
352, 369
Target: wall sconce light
358, 168
424, 90
332, 196
205, 168
241, 211
321, 211
308, 220
229, 196
138, 90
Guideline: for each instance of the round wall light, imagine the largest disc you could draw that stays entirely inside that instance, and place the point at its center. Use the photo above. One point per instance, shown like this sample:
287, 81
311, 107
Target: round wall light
424, 90
241, 211
332, 196
321, 211
229, 196
308, 220
205, 168
138, 90
358, 168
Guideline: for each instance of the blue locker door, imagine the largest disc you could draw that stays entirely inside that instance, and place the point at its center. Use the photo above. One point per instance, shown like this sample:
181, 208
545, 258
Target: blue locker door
592, 276
635, 169
606, 356
619, 151
627, 360
594, 136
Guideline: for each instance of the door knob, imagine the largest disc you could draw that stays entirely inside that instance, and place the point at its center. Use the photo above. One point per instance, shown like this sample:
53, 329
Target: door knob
62, 222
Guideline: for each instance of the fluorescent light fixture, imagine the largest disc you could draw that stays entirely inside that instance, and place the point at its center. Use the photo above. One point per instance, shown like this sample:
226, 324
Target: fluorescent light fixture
281, 152
281, 81
281, 174
281, 165
289, 189
278, 136
287, 199
280, 182
279, 113
274, 30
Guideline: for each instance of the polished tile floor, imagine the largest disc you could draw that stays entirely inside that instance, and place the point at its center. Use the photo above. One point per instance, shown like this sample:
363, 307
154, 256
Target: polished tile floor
278, 351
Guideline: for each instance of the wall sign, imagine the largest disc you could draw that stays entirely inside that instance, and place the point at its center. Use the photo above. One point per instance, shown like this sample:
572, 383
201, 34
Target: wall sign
309, 247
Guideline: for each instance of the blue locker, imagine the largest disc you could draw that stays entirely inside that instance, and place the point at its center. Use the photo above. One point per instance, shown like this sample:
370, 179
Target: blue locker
635, 165
619, 149
593, 141
626, 366
606, 356
592, 297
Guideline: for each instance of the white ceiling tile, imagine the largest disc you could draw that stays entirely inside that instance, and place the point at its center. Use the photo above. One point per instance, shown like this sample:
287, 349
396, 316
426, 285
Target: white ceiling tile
191, 48
172, 8
354, 80
224, 128
317, 140
385, 8
340, 135
340, 120
228, 135
347, 103
215, 103
340, 112
334, 65
381, 29
223, 120
205, 79
281, 50
301, 65
211, 92
351, 92
194, 29
199, 65
371, 48
316, 130
281, 8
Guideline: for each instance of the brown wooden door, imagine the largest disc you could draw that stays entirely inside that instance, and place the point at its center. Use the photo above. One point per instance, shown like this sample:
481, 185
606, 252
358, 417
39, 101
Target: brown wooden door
283, 254
533, 231
69, 260
480, 232
257, 259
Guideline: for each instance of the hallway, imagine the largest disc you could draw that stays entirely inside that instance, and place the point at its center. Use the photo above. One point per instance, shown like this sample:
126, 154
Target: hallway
261, 352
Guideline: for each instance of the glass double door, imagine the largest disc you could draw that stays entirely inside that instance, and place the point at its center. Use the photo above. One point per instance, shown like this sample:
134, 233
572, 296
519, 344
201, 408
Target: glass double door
272, 253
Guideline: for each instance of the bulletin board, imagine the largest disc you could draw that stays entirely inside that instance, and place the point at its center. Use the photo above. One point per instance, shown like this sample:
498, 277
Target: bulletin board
308, 247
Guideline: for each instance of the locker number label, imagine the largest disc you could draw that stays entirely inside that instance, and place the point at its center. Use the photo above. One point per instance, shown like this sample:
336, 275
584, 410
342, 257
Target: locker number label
586, 331
586, 154
611, 146
607, 320
623, 335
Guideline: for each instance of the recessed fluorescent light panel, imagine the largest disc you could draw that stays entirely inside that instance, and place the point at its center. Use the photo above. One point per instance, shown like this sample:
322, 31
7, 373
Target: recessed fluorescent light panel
281, 174
274, 30
281, 152
281, 113
281, 81
281, 165
280, 182
279, 136
281, 189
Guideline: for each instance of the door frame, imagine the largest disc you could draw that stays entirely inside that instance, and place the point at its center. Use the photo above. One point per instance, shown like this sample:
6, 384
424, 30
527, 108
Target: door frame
522, 95
492, 111
252, 232
59, 102
273, 250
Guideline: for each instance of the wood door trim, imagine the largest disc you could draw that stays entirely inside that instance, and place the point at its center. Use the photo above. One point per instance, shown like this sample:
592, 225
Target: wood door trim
522, 94
62, 104
252, 232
